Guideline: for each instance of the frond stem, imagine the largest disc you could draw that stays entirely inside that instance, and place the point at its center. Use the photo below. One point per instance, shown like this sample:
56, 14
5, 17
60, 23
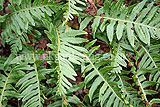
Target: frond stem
58, 56
127, 21
5, 85
35, 66
32, 8
144, 94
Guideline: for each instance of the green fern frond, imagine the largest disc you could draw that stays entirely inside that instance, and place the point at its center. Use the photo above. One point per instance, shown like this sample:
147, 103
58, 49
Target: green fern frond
60, 102
137, 96
15, 73
141, 81
118, 58
130, 94
149, 64
150, 60
24, 16
70, 99
135, 20
148, 57
7, 90
30, 88
99, 73
72, 9
16, 43
66, 51
2, 61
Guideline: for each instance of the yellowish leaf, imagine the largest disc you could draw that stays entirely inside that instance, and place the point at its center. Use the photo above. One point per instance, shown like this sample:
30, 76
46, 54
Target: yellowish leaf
122, 90
119, 86
65, 101
130, 105
44, 97
142, 98
126, 102
122, 96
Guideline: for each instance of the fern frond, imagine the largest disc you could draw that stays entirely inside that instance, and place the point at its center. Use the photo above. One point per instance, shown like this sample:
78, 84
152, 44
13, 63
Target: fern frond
151, 60
99, 74
141, 81
30, 88
16, 42
60, 102
118, 58
6, 88
25, 15
2, 61
66, 51
120, 18
70, 99
129, 93
72, 9
149, 64
148, 57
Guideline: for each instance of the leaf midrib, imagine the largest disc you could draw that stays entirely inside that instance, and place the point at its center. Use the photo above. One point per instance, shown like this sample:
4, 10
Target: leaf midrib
35, 66
31, 8
5, 85
127, 21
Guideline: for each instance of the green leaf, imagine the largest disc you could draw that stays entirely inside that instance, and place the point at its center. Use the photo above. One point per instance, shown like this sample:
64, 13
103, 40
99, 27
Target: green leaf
72, 9
73, 33
120, 29
155, 101
95, 25
85, 22
94, 87
110, 30
1, 5
3, 18
75, 100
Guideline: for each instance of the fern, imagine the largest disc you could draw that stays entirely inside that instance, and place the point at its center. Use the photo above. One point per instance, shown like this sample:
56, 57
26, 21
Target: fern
118, 58
66, 53
144, 84
109, 90
10, 75
30, 87
119, 24
123, 19
128, 91
72, 9
148, 56
125, 76
71, 99
22, 17
147, 64
140, 95
150, 60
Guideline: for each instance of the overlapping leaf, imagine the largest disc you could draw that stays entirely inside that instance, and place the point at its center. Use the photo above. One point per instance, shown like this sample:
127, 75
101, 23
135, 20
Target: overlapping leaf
72, 9
136, 20
15, 73
99, 72
22, 17
66, 52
